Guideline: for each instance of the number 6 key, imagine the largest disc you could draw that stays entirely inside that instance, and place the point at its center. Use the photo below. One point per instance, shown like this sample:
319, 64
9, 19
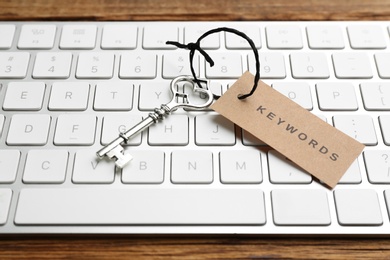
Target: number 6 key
115, 150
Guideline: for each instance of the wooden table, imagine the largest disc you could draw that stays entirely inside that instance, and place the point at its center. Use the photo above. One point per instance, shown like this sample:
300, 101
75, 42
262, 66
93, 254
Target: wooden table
206, 247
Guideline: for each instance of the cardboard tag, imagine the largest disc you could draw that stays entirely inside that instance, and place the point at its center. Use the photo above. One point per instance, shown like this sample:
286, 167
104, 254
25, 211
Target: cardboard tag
316, 146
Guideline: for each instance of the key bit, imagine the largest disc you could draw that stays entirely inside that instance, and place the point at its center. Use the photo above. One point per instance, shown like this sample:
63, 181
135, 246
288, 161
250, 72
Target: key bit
116, 152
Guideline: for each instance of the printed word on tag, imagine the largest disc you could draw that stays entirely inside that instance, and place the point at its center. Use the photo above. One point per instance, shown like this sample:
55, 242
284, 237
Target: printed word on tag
311, 143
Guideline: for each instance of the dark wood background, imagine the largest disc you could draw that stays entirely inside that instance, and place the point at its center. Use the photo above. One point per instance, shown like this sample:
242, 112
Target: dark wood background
206, 247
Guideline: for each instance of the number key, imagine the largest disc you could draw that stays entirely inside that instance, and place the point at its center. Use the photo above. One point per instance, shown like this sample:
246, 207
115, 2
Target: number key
175, 64
141, 66
95, 65
14, 64
226, 66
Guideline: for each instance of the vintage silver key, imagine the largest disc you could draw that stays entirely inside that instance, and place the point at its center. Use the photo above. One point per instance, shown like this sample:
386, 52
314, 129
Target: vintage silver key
115, 150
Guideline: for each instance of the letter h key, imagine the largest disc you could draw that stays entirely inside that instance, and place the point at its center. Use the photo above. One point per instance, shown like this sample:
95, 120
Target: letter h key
115, 150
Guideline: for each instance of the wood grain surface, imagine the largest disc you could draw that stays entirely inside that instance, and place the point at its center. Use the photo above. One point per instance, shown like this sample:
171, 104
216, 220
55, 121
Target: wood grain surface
205, 247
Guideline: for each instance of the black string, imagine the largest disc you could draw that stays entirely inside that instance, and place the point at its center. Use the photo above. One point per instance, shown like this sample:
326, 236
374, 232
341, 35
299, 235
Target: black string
196, 47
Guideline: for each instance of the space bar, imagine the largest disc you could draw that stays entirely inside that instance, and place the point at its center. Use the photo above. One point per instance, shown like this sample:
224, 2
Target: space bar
94, 206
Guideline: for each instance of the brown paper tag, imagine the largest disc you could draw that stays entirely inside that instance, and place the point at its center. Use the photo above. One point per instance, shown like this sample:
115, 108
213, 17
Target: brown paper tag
316, 146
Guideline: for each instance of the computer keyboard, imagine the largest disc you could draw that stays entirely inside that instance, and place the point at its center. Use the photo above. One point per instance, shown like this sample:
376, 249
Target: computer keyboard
68, 88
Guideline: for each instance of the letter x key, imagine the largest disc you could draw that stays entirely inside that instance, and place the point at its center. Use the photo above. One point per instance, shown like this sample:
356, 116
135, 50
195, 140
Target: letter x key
115, 150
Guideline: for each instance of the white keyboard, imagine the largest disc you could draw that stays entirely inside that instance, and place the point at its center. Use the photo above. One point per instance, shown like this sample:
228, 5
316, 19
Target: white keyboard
68, 88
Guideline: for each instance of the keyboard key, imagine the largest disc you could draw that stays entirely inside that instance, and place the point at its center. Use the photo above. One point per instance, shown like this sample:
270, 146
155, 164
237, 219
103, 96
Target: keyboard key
352, 175
95, 65
45, 166
233, 41
27, 129
89, 169
9, 161
153, 94
249, 139
119, 36
384, 121
178, 63
300, 207
240, 166
146, 167
198, 98
138, 66
281, 170
377, 166
383, 64
115, 124
24, 96
336, 96
127, 206
193, 32
214, 130
357, 207
359, 127
155, 37
7, 32
284, 37
76, 129
78, 36
376, 96
114, 97
271, 65
366, 36
226, 66
52, 65
14, 65
37, 36
5, 202
325, 37
173, 130
194, 167
309, 66
69, 96
298, 92
2, 119
352, 65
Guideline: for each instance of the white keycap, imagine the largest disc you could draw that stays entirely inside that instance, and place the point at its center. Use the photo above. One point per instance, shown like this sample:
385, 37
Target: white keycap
359, 127
233, 41
240, 166
249, 139
191, 167
336, 96
27, 129
300, 207
225, 66
153, 94
155, 37
377, 166
72, 96
119, 36
37, 36
309, 66
357, 207
75, 129
383, 64
114, 97
352, 65
173, 130
192, 34
282, 170
366, 36
128, 206
178, 63
214, 130
78, 36
5, 202
352, 175
24, 96
146, 167
376, 96
2, 119
52, 65
284, 37
113, 125
45, 166
7, 32
271, 65
298, 92
384, 121
9, 160
14, 65
198, 98
139, 66
89, 169
95, 65
325, 37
